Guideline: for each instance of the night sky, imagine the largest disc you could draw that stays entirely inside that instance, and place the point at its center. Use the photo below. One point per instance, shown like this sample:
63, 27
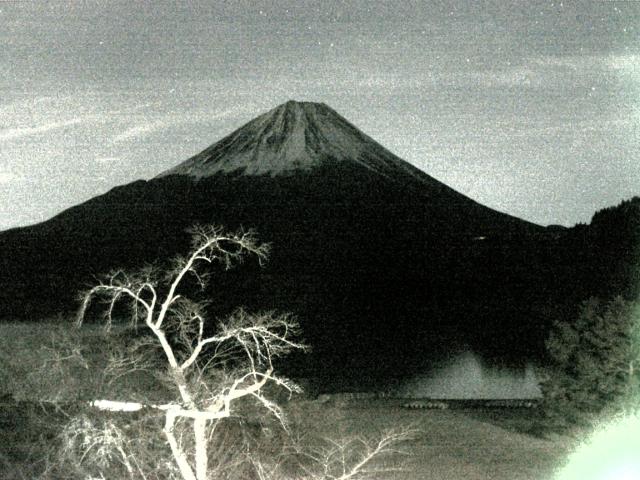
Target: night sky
531, 108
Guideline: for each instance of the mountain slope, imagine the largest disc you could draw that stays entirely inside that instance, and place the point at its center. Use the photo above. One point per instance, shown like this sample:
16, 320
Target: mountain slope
298, 138
292, 137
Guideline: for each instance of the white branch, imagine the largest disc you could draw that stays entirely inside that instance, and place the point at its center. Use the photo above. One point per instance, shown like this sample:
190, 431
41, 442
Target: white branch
198, 254
196, 351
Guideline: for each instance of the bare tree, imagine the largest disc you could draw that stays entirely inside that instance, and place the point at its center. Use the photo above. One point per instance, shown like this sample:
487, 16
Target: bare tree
206, 393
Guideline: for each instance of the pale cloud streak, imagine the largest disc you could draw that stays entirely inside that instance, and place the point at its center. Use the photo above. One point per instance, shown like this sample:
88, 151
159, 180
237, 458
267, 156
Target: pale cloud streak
628, 62
516, 76
230, 112
140, 130
108, 160
19, 132
172, 120
546, 72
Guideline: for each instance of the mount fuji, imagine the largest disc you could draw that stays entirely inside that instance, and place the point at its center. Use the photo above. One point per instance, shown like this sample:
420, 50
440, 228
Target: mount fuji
383, 264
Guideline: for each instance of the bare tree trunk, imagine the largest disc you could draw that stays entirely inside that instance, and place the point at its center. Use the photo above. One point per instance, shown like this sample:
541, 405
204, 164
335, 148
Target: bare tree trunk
200, 436
178, 454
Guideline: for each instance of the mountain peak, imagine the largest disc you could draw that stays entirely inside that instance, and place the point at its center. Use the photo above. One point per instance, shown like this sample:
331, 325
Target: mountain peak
294, 136
296, 104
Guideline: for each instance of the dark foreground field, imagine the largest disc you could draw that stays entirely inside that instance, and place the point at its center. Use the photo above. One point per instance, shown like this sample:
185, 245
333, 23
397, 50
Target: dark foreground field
448, 444
451, 444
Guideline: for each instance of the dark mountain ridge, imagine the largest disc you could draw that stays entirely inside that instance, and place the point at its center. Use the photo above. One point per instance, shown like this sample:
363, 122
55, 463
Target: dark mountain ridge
385, 266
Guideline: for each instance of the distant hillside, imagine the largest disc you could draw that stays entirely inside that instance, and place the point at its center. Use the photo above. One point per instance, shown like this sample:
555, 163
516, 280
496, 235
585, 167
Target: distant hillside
609, 251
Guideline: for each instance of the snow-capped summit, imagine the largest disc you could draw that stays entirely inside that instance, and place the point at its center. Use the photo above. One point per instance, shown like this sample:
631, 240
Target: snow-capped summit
292, 137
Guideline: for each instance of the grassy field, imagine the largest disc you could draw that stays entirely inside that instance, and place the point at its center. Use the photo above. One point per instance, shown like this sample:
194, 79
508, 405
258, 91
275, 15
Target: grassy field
447, 445
450, 444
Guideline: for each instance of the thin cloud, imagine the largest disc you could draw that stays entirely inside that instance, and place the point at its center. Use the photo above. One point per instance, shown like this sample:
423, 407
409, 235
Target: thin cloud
547, 71
107, 160
230, 112
624, 62
516, 76
138, 131
590, 62
573, 128
19, 132
174, 119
